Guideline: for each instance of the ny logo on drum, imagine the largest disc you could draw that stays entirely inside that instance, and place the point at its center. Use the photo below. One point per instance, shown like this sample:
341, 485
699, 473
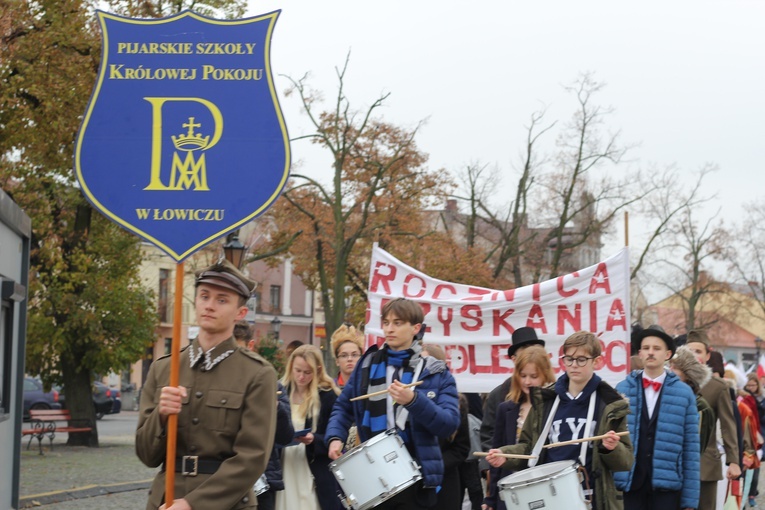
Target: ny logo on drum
189, 173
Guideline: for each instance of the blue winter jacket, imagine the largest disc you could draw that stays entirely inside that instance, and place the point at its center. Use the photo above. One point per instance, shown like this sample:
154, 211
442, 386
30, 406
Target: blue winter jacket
433, 414
676, 457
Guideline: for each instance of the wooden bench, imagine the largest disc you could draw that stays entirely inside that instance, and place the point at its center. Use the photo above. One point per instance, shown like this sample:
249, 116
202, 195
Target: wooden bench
45, 422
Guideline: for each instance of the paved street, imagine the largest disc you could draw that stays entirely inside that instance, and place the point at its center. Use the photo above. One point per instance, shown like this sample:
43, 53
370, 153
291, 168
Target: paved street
80, 478
111, 476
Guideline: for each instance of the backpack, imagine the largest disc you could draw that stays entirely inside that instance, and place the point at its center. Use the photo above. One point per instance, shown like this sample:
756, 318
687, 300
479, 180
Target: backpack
474, 427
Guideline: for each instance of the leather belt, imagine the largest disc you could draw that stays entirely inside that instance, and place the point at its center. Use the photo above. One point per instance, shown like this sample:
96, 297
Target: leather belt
192, 465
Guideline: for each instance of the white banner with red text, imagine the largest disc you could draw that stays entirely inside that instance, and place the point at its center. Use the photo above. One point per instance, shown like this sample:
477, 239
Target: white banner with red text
474, 325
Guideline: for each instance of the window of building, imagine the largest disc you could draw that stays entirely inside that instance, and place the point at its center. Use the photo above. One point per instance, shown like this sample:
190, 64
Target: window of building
276, 298
164, 283
168, 345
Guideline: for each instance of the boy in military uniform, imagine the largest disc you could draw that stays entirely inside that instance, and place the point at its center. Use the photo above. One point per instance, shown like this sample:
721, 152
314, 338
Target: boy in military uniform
225, 402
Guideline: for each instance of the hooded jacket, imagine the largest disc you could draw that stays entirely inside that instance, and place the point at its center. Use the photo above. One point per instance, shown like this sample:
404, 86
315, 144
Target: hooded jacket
610, 414
696, 376
676, 456
433, 414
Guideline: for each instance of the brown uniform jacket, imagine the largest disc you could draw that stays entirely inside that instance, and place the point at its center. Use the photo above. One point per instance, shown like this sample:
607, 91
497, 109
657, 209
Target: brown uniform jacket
716, 393
229, 415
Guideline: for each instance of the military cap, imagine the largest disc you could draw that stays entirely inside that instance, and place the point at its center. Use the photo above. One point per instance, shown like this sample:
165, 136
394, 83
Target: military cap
224, 274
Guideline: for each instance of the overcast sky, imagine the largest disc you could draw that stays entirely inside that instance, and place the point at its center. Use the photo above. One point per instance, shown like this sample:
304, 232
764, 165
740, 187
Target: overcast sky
686, 78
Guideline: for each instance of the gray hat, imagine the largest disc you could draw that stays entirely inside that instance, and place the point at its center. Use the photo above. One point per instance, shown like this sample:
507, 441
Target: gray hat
696, 374
224, 274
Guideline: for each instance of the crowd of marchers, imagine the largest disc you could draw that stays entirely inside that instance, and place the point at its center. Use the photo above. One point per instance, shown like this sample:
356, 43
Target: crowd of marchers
391, 430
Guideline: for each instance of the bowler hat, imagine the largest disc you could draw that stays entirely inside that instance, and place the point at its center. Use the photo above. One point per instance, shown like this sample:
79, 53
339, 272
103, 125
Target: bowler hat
224, 274
653, 330
523, 337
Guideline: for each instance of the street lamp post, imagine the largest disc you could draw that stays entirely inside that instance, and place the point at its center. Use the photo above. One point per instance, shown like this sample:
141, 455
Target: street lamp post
233, 250
276, 325
757, 345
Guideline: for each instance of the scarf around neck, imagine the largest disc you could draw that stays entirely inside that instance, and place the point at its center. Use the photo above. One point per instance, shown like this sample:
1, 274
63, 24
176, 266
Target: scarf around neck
375, 418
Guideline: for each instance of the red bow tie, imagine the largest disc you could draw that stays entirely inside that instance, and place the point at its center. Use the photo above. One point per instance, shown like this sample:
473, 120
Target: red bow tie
656, 384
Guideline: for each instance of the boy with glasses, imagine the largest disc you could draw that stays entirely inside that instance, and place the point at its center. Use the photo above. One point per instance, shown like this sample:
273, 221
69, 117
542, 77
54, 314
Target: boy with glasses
579, 405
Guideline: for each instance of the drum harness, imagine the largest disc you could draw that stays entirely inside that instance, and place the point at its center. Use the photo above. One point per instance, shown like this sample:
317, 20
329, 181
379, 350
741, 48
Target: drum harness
535, 452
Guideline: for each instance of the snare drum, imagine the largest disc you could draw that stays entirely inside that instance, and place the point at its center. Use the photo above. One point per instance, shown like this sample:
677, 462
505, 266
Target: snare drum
549, 486
261, 485
375, 471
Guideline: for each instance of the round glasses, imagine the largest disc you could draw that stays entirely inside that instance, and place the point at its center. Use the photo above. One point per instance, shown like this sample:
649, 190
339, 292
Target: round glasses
580, 361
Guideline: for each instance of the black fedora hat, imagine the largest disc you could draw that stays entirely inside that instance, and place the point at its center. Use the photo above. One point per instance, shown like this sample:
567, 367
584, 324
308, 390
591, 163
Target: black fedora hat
523, 337
652, 330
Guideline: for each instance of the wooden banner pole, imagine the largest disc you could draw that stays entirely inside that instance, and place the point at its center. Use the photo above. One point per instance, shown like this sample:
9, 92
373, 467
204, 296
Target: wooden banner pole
175, 354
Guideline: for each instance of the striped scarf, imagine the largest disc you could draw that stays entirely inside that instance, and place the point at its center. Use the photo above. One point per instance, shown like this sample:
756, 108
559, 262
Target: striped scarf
375, 419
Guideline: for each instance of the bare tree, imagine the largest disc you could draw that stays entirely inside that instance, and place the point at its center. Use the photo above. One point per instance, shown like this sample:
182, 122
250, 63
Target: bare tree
378, 188
671, 197
692, 249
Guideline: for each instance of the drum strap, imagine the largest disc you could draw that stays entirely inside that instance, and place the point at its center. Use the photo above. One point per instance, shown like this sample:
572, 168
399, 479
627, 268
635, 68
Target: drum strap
546, 431
543, 436
590, 414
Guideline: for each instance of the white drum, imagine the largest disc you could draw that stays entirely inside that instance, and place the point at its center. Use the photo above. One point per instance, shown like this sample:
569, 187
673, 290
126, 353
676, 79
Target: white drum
261, 485
375, 471
549, 486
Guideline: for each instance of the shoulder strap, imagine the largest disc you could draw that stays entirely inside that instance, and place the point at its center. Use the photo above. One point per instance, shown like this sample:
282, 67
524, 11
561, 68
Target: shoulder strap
543, 436
590, 414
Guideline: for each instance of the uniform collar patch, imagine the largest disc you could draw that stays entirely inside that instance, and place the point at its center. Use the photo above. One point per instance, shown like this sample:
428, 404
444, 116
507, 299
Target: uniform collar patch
210, 358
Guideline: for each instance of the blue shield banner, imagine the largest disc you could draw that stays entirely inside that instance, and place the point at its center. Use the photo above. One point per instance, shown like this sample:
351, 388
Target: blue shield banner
183, 140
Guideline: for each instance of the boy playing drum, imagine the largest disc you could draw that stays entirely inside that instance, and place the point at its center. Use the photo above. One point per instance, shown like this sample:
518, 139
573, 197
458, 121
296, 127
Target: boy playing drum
421, 415
579, 405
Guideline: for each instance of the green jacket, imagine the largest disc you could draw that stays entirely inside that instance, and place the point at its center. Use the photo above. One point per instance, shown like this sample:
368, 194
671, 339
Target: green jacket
611, 414
707, 421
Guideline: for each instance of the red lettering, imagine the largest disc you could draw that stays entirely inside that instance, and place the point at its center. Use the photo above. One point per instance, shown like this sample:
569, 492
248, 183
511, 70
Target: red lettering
445, 319
412, 293
499, 353
376, 340
600, 279
565, 316
382, 278
476, 294
609, 355
475, 368
442, 287
616, 316
425, 309
472, 312
536, 319
509, 295
498, 319
536, 291
557, 363
461, 356
594, 316
562, 291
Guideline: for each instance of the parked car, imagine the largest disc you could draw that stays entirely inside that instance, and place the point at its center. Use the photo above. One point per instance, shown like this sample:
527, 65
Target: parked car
106, 400
36, 398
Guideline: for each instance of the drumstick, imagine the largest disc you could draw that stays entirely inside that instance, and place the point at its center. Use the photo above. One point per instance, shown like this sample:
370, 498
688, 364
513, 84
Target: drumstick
506, 455
382, 392
575, 441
